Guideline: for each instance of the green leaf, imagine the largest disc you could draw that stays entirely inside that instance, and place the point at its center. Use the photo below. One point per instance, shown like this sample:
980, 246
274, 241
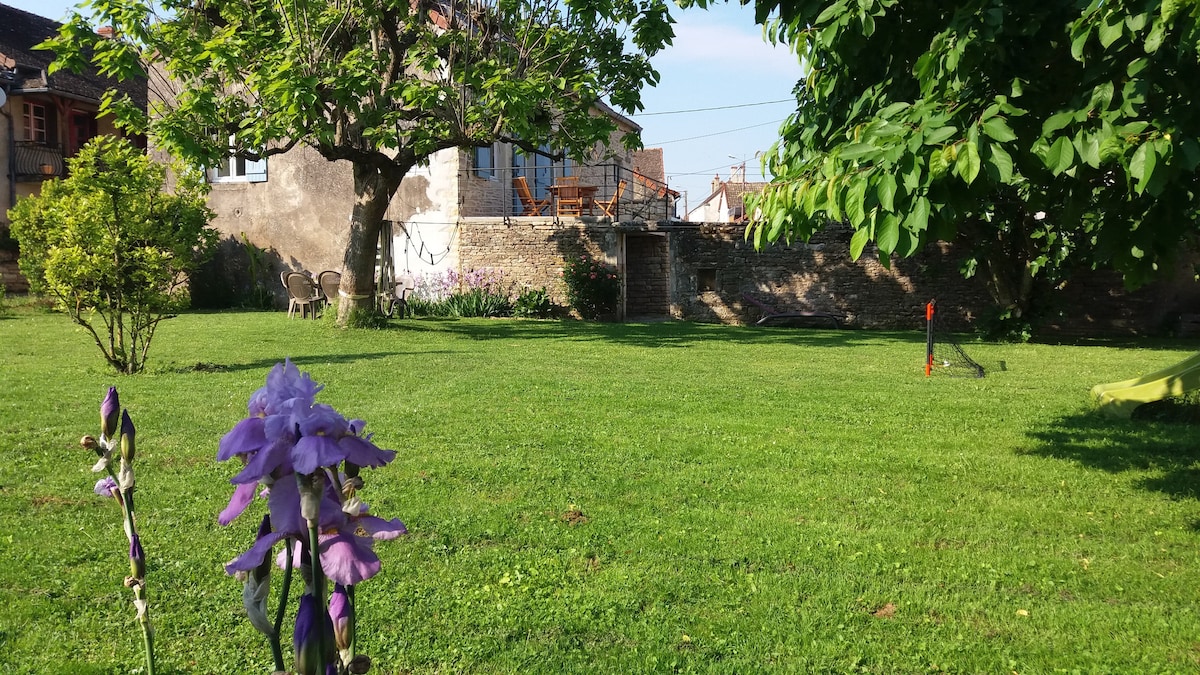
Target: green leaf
1057, 121
940, 135
918, 216
857, 150
1088, 146
886, 192
830, 12
858, 242
1060, 157
1002, 161
892, 109
968, 163
1142, 166
856, 198
1155, 39
998, 130
1111, 28
887, 234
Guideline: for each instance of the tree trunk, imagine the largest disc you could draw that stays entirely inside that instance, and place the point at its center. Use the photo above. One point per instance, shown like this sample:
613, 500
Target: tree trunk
373, 190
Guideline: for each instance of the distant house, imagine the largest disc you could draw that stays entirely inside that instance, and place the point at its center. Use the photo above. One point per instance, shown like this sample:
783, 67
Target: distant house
46, 118
726, 203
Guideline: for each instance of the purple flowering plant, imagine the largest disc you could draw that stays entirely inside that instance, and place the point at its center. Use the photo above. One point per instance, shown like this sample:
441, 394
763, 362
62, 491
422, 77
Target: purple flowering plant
305, 459
117, 443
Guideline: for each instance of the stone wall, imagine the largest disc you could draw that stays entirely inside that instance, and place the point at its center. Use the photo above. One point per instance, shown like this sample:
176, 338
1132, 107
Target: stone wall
816, 276
532, 254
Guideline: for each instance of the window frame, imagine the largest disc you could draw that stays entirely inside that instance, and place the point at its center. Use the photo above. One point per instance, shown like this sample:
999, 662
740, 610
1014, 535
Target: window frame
234, 169
28, 119
483, 161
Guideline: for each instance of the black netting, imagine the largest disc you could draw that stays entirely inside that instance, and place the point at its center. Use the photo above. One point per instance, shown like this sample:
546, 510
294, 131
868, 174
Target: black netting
944, 356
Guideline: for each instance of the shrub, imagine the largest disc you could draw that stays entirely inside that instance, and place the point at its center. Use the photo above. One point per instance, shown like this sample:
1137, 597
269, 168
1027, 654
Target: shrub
593, 287
112, 247
533, 303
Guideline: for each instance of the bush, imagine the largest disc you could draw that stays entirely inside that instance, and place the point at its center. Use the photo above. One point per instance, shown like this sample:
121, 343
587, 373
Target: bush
112, 247
533, 303
593, 287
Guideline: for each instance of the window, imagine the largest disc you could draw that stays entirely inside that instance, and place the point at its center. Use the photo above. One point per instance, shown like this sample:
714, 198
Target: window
706, 279
35, 122
540, 172
484, 162
235, 169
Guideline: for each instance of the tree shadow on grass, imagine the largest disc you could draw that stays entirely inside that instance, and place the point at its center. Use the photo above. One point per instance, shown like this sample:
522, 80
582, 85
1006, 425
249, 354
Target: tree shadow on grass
1169, 451
666, 334
301, 362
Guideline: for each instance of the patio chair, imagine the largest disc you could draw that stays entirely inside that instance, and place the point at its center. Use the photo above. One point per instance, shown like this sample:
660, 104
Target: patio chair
330, 282
303, 294
404, 285
529, 205
610, 207
570, 201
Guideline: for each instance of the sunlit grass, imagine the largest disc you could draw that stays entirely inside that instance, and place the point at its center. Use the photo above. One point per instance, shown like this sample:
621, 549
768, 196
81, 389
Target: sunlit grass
625, 498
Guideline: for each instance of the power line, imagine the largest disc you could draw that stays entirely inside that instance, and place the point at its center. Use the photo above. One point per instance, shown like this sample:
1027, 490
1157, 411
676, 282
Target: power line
715, 133
724, 107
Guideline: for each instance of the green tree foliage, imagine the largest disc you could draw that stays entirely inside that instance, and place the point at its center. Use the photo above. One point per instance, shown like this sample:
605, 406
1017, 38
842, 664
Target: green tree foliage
1043, 134
112, 247
381, 84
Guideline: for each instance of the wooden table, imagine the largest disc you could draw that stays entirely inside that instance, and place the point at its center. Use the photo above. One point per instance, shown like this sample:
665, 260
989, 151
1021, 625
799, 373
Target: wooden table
574, 200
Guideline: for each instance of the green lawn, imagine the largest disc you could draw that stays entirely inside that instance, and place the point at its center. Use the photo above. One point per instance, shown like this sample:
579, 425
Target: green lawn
588, 498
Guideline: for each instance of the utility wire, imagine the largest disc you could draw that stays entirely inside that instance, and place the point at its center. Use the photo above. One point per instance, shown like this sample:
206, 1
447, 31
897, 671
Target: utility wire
715, 133
724, 107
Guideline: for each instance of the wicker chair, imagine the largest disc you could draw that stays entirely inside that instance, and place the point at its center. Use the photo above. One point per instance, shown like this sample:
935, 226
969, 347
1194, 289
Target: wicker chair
330, 282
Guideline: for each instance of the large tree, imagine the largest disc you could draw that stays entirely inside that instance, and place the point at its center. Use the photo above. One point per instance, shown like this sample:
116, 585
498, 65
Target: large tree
1041, 133
381, 84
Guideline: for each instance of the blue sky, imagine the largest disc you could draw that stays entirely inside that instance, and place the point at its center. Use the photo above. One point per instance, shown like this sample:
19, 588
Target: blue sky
718, 60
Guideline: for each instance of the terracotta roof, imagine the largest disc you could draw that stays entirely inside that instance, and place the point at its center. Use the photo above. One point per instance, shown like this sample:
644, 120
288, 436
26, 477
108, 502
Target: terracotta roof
649, 163
25, 66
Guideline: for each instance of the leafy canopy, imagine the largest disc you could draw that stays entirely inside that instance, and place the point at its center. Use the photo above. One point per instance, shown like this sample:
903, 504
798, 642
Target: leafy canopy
380, 81
110, 245
1041, 132
382, 84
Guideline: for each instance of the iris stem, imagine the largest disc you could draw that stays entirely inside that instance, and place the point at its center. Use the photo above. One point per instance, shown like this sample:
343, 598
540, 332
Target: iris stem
139, 587
353, 604
318, 588
276, 644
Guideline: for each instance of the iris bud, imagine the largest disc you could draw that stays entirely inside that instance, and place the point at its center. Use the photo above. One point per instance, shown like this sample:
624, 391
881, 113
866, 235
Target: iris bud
110, 410
137, 558
127, 434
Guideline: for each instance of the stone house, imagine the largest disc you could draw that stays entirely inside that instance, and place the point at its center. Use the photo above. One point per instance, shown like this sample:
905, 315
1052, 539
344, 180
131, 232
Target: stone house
44, 119
294, 206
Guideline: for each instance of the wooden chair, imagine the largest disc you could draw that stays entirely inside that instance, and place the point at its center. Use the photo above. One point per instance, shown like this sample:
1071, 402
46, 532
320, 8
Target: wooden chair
330, 282
303, 294
610, 207
529, 205
570, 201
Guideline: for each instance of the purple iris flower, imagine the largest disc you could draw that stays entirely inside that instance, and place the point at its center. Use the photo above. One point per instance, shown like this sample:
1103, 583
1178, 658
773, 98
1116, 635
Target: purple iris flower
110, 410
106, 487
320, 430
359, 449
